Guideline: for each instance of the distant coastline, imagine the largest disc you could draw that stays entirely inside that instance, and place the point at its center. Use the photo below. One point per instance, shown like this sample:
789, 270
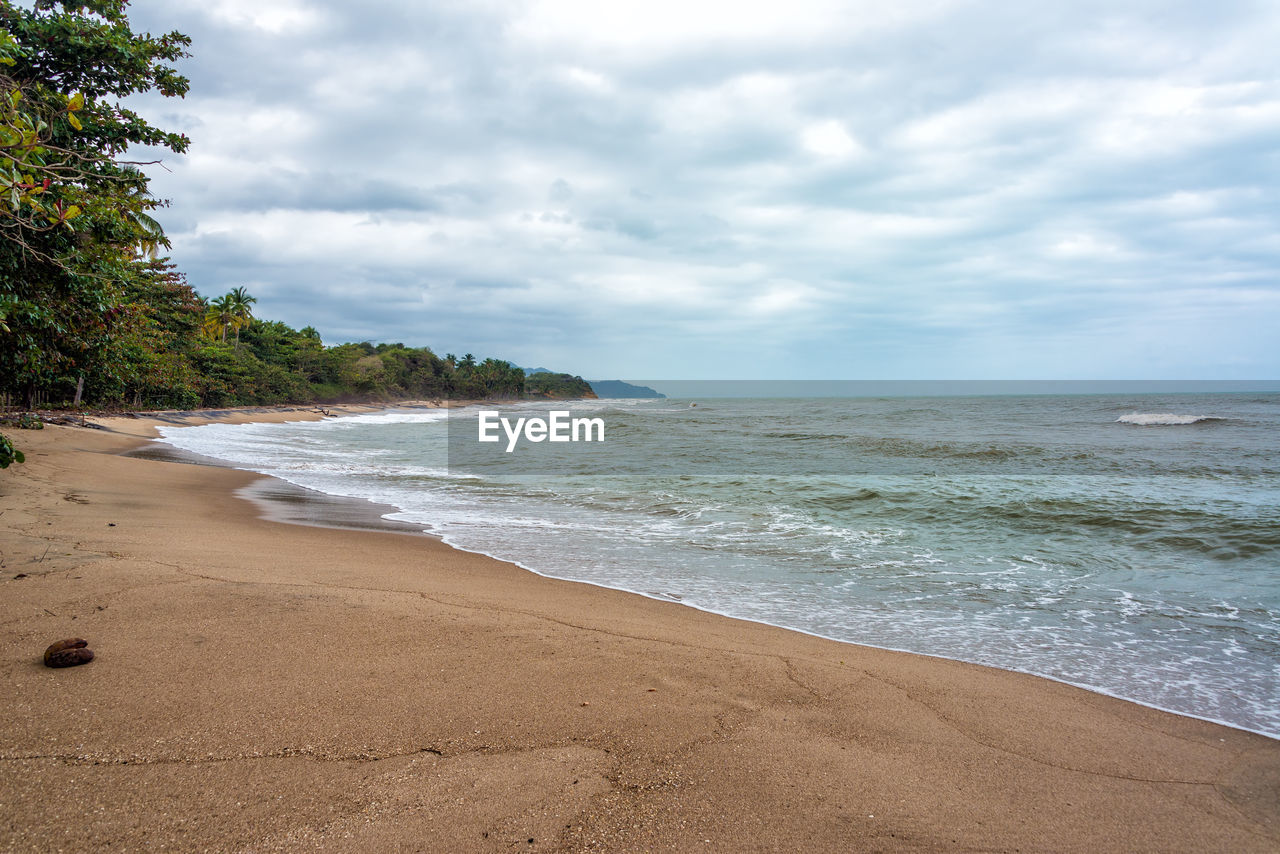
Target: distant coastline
623, 390
803, 388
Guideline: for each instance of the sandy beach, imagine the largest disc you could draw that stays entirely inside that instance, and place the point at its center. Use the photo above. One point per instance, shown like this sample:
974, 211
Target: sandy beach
260, 685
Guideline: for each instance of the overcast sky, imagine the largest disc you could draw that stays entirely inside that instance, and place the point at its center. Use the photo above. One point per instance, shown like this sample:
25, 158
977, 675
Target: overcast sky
686, 189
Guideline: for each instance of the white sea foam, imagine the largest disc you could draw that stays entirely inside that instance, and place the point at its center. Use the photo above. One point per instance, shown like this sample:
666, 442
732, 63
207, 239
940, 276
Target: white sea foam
1163, 419
388, 418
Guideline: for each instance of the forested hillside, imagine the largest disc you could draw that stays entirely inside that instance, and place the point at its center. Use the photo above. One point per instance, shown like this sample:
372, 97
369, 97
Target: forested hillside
91, 313
168, 348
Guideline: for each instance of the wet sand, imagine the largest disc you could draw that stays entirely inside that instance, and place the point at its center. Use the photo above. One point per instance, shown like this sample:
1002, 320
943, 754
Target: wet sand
261, 685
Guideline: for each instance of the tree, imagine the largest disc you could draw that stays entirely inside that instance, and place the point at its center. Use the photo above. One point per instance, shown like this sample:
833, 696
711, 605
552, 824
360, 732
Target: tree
241, 314
61, 134
75, 218
31, 162
219, 317
558, 386
146, 361
500, 378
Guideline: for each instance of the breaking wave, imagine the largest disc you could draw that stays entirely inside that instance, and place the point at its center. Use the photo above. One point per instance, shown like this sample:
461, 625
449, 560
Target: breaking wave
1163, 419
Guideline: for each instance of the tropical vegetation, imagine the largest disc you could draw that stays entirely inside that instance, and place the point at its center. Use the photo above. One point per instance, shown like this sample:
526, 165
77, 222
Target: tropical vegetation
172, 349
89, 315
549, 384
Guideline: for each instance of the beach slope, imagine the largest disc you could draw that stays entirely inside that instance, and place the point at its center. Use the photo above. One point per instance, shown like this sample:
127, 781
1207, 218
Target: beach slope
266, 686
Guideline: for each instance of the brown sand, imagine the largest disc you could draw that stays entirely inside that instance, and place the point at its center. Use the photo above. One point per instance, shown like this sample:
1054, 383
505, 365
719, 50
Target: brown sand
263, 686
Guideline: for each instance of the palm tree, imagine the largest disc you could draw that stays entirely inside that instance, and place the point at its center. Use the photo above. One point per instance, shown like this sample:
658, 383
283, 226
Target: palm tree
218, 316
150, 236
241, 314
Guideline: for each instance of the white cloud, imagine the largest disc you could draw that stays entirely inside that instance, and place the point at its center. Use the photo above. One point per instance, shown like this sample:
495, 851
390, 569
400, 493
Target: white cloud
584, 78
829, 139
276, 16
1087, 247
838, 183
677, 24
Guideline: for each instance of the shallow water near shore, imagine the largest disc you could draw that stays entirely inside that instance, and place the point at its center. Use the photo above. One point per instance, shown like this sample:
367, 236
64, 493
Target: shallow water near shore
1128, 544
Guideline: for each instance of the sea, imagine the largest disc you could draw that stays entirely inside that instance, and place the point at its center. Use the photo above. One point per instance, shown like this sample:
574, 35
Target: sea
1127, 543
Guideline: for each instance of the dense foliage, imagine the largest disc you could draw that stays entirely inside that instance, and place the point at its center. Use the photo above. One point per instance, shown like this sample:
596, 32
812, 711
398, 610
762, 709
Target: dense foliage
75, 224
8, 453
88, 316
549, 384
171, 350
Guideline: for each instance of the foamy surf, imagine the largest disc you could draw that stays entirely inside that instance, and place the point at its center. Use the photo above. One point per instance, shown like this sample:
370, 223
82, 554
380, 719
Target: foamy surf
1163, 419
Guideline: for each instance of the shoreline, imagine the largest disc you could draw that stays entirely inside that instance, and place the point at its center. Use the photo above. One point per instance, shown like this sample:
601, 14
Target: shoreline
685, 724
291, 502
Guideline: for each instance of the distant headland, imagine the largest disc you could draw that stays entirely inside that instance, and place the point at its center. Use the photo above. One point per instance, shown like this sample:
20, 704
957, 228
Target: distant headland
620, 389
613, 389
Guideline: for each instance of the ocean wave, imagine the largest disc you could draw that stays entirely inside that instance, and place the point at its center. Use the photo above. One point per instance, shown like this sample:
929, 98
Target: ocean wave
1163, 419
393, 417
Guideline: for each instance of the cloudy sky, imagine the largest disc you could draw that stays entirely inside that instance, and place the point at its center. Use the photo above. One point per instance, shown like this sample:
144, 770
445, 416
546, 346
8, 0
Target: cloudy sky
691, 189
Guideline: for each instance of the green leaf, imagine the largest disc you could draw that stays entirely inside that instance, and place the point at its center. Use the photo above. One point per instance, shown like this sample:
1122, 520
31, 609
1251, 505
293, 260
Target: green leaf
71, 212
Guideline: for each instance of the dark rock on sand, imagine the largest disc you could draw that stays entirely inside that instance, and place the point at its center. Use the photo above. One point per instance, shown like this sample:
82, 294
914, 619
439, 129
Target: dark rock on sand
68, 653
